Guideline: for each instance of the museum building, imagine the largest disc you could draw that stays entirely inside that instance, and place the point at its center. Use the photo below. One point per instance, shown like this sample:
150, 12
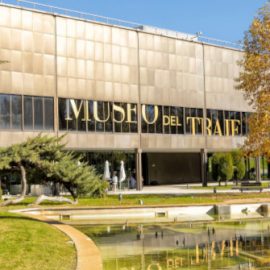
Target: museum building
165, 98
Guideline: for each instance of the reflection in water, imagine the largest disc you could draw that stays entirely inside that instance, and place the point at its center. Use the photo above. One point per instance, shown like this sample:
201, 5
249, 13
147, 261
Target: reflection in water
222, 245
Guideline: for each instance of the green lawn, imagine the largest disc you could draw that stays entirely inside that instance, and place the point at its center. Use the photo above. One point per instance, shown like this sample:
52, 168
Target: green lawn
27, 244
265, 184
153, 200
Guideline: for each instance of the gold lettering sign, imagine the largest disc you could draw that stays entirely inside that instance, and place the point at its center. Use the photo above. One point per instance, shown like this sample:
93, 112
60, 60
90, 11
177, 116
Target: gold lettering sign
76, 111
171, 121
96, 116
119, 109
208, 126
83, 110
131, 111
86, 111
149, 122
217, 129
193, 121
235, 127
166, 120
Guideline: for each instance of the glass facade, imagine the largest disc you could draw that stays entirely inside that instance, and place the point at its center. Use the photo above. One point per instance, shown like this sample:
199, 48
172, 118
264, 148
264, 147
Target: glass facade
179, 120
97, 116
26, 112
37, 113
162, 119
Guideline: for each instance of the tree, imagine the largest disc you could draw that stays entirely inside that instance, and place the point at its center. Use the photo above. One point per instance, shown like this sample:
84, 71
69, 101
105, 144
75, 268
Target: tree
215, 166
254, 80
47, 157
222, 167
226, 167
238, 165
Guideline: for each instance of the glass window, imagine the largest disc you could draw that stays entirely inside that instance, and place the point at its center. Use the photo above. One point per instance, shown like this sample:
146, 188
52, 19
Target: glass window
144, 124
125, 125
49, 113
188, 114
4, 111
180, 120
28, 112
100, 113
80, 124
173, 116
16, 102
134, 126
217, 122
166, 119
63, 113
107, 112
38, 113
150, 114
199, 121
91, 123
159, 122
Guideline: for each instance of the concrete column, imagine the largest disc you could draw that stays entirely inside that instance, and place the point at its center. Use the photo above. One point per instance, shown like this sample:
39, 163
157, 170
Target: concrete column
139, 169
258, 169
204, 167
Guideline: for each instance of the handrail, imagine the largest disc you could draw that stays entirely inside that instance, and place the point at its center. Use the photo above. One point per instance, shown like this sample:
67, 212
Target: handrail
118, 22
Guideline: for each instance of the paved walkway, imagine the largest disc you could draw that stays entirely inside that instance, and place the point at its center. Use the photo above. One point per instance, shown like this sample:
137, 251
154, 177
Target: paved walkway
179, 190
88, 255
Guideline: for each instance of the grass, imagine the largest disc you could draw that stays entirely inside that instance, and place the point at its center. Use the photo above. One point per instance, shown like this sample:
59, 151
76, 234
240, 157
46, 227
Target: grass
265, 184
27, 244
153, 200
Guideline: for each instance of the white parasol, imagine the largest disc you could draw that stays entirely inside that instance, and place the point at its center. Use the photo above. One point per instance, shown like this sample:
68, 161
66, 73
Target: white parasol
107, 175
122, 176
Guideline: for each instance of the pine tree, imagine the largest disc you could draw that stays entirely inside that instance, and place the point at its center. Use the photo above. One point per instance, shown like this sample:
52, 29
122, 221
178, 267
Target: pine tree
47, 156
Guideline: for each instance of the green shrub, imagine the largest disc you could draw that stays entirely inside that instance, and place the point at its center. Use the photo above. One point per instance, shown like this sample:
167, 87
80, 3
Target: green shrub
239, 165
226, 167
222, 167
215, 166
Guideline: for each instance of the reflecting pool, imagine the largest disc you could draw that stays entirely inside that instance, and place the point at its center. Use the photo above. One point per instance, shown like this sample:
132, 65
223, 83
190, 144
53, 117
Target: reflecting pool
220, 245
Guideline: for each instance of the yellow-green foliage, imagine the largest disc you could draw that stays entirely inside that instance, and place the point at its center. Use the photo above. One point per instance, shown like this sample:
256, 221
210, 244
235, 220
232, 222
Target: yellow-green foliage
254, 80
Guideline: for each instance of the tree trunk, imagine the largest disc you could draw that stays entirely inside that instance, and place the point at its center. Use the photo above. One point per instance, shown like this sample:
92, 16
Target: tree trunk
71, 191
43, 198
23, 192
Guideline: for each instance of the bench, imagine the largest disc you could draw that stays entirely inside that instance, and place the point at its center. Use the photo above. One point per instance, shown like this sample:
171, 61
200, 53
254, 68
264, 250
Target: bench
249, 186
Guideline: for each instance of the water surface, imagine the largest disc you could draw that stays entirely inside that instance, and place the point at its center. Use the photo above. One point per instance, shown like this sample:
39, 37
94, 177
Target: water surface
220, 245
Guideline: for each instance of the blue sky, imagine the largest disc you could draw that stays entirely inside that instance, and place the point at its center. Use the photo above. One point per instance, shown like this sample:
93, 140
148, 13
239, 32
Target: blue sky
223, 19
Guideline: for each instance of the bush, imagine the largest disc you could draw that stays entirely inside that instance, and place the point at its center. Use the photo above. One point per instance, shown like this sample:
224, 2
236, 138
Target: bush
239, 165
226, 167
215, 166
222, 167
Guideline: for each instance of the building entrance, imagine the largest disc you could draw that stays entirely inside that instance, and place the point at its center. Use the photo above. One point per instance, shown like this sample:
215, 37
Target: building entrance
171, 168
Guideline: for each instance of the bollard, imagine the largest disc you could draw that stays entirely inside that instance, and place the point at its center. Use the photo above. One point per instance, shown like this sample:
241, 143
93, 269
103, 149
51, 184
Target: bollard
120, 197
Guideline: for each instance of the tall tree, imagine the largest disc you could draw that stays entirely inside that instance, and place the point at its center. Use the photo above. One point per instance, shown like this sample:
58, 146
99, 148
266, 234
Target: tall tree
46, 154
254, 80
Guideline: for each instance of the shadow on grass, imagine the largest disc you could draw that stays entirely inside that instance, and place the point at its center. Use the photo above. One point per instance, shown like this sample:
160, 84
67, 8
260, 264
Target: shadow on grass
15, 217
24, 218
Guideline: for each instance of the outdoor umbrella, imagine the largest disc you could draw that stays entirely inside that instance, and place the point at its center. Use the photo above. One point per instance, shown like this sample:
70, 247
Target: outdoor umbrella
122, 176
106, 175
